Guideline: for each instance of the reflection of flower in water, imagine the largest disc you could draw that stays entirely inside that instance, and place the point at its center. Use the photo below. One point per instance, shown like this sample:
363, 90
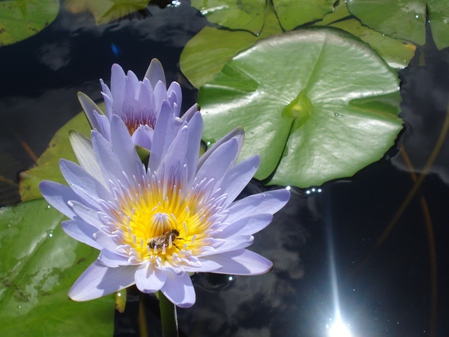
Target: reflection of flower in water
137, 103
153, 226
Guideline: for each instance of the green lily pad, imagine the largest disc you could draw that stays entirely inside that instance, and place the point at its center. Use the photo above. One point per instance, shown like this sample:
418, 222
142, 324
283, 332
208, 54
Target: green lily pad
298, 12
234, 14
20, 19
47, 167
39, 264
340, 12
316, 105
207, 52
399, 19
439, 22
396, 52
249, 14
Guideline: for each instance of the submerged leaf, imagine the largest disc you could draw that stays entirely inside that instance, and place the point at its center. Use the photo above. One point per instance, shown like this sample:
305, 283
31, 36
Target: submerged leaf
39, 264
105, 11
315, 104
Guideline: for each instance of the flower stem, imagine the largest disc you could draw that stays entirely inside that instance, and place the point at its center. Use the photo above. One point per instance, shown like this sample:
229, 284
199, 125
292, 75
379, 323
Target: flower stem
142, 319
169, 318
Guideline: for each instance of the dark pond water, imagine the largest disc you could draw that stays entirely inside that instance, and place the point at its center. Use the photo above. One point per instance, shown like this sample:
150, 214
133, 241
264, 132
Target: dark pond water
337, 249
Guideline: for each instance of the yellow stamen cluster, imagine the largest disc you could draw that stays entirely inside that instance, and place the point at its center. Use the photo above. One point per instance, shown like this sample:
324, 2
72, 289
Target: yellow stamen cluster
158, 222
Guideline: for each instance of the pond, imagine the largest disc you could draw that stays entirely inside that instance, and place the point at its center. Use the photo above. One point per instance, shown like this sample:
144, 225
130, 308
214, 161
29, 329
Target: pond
370, 250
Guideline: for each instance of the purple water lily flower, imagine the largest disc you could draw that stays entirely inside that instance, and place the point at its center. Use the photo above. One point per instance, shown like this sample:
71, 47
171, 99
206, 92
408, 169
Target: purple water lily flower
137, 103
155, 225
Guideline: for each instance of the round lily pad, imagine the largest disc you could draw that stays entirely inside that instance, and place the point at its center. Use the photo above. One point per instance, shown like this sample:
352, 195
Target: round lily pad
39, 265
22, 19
316, 104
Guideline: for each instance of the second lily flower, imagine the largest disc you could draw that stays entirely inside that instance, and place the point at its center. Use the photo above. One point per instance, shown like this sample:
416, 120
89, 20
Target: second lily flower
137, 103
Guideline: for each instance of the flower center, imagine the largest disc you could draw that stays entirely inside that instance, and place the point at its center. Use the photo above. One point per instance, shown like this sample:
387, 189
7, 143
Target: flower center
162, 224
